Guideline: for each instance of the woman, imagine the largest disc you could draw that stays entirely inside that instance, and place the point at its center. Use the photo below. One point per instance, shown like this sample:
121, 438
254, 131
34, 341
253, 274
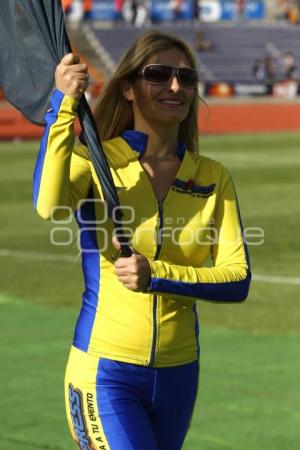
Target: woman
131, 379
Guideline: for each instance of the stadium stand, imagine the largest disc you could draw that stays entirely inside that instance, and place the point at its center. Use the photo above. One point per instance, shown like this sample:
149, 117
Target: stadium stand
235, 46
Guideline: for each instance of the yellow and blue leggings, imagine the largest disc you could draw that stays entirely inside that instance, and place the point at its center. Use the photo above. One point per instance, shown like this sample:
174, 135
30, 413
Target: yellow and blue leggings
113, 405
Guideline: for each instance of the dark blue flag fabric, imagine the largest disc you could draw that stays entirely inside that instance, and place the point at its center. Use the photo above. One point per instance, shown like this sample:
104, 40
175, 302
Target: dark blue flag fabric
33, 40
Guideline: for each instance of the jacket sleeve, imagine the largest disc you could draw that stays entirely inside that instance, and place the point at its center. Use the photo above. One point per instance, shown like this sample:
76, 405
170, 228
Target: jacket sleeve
62, 175
229, 278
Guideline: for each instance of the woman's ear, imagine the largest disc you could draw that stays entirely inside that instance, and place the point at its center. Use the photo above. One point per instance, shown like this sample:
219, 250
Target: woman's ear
127, 90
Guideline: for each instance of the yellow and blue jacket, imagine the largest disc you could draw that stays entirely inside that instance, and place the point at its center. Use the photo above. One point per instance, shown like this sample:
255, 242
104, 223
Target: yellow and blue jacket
198, 219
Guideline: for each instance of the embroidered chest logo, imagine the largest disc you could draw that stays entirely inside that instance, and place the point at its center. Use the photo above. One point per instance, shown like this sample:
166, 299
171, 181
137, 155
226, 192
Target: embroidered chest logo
189, 187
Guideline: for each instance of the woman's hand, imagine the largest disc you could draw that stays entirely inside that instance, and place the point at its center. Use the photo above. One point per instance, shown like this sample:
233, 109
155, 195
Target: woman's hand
133, 272
71, 77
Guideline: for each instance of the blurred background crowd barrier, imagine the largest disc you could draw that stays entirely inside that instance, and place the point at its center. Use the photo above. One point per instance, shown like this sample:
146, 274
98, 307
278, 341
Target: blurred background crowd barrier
204, 10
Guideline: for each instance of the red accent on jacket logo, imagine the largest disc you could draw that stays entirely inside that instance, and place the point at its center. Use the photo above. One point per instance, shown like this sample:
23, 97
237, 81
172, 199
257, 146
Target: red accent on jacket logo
189, 184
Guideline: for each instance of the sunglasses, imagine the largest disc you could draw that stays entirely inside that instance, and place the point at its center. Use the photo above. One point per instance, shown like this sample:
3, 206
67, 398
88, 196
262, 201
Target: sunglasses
161, 74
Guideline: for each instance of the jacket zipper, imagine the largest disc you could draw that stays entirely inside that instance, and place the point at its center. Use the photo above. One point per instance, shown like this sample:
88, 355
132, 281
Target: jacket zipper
156, 256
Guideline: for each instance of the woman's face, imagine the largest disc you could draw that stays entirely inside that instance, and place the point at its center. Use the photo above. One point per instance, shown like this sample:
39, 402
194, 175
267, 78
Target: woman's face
165, 105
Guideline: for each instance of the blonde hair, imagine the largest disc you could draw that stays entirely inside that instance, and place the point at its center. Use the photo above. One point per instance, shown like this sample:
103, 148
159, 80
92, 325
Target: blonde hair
113, 113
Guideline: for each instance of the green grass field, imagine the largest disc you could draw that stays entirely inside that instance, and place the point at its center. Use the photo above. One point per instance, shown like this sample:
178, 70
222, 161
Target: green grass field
249, 392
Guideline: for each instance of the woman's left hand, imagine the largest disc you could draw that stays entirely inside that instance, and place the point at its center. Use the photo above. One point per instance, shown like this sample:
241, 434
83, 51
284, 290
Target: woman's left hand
133, 272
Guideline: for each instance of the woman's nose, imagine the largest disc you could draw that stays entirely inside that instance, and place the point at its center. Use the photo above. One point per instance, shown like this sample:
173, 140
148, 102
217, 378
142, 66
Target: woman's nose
174, 85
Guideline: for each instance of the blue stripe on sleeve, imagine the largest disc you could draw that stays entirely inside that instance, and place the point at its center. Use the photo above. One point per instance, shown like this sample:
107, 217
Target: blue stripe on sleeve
91, 272
50, 117
233, 291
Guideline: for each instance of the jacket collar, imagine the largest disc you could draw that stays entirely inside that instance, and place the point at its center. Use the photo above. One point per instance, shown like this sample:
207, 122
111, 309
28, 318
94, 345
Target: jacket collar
138, 142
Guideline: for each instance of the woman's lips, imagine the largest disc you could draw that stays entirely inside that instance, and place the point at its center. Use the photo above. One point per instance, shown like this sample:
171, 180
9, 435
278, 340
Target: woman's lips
171, 101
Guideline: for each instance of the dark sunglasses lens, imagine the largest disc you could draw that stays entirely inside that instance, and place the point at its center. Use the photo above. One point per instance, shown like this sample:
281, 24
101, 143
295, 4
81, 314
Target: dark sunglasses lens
188, 77
157, 74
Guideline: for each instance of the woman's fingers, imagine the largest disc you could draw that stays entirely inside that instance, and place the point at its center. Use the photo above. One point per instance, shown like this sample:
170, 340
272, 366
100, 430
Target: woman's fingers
71, 77
134, 272
70, 58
